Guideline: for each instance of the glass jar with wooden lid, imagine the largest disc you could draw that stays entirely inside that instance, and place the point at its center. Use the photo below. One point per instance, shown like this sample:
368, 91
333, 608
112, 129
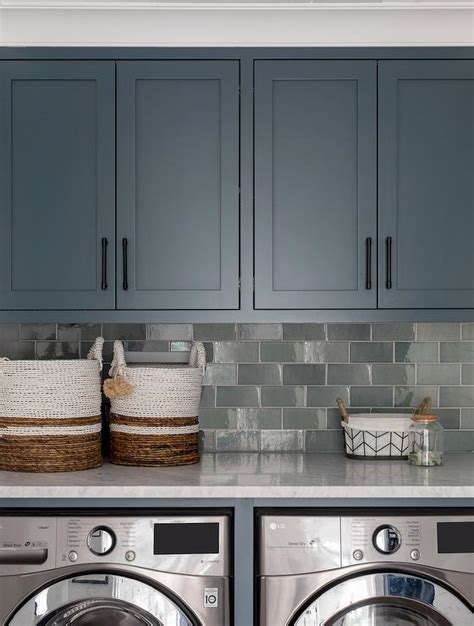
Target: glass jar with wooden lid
426, 437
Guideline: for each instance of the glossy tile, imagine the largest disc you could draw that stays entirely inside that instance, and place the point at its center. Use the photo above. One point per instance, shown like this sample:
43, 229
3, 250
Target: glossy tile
259, 374
235, 352
372, 352
349, 374
438, 374
301, 418
281, 351
393, 374
404, 331
423, 352
258, 419
326, 352
283, 396
326, 396
214, 332
259, 331
282, 440
304, 374
237, 396
304, 331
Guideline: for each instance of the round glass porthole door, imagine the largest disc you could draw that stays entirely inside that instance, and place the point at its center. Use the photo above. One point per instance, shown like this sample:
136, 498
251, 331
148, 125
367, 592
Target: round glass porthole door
389, 599
103, 612
101, 600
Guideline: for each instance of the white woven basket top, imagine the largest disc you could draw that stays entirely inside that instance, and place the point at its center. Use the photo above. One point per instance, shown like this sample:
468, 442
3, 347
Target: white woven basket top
55, 389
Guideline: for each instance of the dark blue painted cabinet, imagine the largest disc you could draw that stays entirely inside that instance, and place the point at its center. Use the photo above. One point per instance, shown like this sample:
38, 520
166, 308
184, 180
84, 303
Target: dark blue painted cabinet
426, 184
315, 184
57, 185
142, 212
178, 184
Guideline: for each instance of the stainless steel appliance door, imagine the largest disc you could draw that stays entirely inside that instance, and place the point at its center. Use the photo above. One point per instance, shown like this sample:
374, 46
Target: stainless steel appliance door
384, 600
105, 599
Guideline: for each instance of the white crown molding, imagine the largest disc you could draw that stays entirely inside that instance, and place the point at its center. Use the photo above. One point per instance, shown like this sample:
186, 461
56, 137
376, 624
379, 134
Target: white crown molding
211, 24
249, 5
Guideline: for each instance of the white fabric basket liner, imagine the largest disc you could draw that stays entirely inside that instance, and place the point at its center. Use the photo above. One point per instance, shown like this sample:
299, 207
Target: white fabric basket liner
379, 422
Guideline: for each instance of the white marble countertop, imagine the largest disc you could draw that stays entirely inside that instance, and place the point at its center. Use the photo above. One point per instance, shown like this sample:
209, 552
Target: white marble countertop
252, 475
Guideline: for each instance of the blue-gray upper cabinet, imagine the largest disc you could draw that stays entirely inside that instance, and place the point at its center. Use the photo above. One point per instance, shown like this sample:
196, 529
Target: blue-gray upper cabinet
178, 184
57, 185
315, 184
426, 184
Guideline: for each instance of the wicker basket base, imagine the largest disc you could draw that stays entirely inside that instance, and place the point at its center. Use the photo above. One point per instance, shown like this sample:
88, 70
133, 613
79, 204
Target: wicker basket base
50, 453
61, 454
152, 450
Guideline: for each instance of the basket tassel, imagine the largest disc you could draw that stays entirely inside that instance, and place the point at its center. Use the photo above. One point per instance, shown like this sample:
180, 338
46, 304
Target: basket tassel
117, 387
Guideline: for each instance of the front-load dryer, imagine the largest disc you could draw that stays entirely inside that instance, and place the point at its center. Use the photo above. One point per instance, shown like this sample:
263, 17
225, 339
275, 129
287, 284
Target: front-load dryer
170, 570
366, 570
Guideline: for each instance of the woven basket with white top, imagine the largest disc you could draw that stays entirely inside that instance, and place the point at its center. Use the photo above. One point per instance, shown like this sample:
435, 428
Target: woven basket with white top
50, 413
154, 410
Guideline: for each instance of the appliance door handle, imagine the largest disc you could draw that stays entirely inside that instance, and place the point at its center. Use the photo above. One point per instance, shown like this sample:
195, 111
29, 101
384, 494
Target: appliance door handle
368, 263
125, 263
388, 262
13, 556
103, 284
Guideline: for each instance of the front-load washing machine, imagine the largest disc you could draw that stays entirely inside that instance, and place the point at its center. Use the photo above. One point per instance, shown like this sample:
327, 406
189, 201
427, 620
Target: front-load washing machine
169, 570
366, 570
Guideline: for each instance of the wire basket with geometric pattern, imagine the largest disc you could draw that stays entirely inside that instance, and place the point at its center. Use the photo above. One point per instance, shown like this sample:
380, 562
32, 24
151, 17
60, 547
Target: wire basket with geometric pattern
377, 436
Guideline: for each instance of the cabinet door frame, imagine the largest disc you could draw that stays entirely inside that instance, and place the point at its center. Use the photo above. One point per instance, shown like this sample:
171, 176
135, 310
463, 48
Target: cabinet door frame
390, 72
227, 71
365, 73
103, 72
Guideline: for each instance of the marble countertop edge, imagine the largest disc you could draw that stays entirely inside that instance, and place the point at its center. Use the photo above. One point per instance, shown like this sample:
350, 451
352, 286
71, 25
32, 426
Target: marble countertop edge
254, 475
329, 493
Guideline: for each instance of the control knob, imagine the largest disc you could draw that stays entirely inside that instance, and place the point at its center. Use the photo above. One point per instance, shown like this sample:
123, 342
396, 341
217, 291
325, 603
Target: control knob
101, 540
386, 539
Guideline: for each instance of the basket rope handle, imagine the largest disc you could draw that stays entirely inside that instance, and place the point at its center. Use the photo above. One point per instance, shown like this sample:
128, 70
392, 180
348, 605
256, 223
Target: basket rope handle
97, 351
119, 365
197, 356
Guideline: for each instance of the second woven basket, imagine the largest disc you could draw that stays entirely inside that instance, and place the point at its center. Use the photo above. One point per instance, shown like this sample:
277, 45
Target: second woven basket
154, 411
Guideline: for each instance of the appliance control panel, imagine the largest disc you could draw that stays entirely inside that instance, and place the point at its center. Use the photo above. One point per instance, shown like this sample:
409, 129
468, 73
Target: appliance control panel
298, 544
27, 544
178, 544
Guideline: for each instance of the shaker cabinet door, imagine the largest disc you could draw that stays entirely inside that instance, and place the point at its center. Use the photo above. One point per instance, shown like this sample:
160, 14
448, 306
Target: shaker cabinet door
57, 185
426, 184
178, 184
315, 184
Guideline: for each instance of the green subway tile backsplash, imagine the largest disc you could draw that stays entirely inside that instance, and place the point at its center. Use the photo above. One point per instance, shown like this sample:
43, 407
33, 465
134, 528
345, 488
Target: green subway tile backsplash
274, 386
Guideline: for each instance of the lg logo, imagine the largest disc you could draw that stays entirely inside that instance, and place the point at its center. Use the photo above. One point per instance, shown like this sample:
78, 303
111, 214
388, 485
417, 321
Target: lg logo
211, 597
274, 526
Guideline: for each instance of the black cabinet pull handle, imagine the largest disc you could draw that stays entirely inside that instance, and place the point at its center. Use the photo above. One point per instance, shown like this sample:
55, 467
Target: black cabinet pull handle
125, 263
388, 262
368, 263
103, 283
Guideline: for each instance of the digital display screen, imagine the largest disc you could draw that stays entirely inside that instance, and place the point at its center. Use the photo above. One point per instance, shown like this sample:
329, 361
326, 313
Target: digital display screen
184, 538
455, 537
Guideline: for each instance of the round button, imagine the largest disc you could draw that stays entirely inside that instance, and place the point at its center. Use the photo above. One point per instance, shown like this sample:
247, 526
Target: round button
101, 540
386, 539
358, 555
130, 555
415, 554
73, 556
